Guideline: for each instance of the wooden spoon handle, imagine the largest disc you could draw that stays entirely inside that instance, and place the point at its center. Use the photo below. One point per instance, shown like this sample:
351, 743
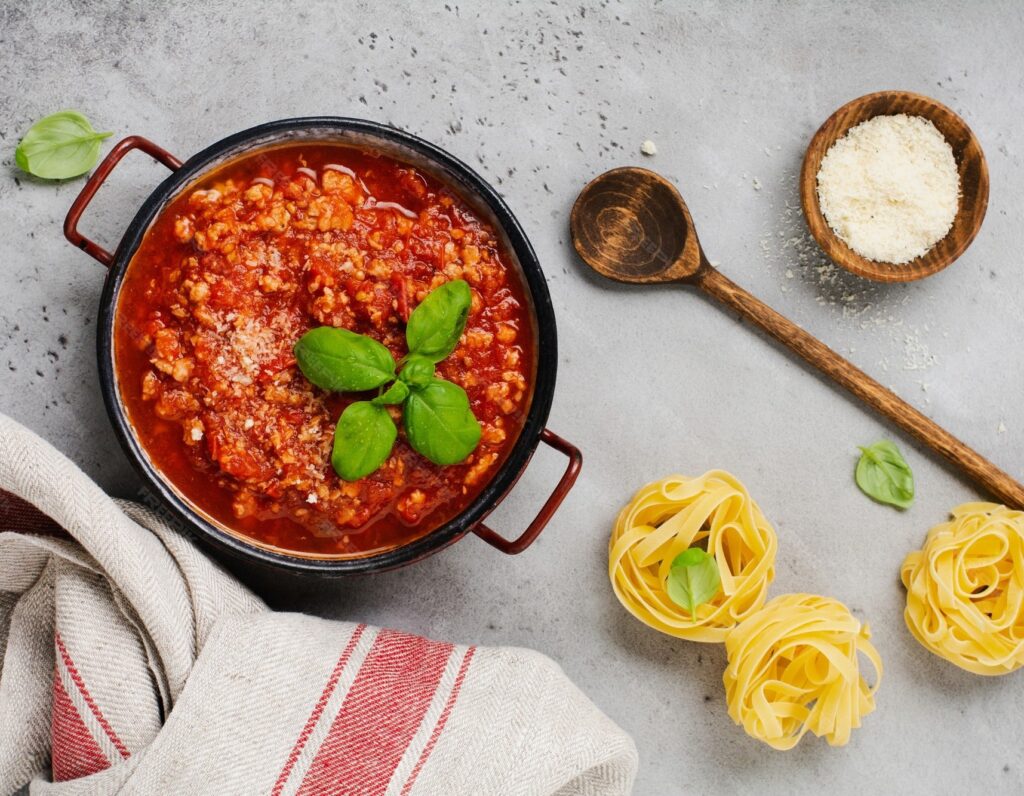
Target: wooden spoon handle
983, 472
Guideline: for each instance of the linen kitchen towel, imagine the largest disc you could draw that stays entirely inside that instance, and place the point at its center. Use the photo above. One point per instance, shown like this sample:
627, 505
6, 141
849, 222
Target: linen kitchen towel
133, 664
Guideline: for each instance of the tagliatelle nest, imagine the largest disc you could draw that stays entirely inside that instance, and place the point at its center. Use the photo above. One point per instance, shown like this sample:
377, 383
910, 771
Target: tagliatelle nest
665, 518
965, 589
794, 668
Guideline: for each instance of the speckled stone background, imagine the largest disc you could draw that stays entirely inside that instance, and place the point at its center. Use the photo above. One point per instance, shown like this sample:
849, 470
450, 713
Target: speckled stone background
540, 97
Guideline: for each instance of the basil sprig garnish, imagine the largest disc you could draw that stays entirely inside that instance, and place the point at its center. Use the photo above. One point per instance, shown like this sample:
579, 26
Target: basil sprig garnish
395, 394
436, 414
884, 475
339, 360
439, 422
417, 371
436, 325
693, 580
362, 440
59, 146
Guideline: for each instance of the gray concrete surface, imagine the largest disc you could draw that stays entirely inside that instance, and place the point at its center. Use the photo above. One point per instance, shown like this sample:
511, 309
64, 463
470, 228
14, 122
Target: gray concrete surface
540, 97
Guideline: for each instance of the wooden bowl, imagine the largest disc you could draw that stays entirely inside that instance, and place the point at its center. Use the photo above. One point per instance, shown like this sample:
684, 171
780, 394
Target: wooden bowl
970, 161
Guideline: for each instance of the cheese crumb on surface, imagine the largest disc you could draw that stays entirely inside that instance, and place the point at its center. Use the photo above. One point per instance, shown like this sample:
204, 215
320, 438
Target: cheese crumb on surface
889, 188
648, 147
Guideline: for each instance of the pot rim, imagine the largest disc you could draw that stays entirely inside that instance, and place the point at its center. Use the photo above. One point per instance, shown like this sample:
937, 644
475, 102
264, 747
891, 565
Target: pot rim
466, 181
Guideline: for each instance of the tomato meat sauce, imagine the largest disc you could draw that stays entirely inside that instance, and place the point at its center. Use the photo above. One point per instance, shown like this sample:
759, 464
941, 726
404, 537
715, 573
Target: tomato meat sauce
241, 265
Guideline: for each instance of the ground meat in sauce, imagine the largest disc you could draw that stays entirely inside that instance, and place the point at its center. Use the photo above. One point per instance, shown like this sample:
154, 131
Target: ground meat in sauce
237, 269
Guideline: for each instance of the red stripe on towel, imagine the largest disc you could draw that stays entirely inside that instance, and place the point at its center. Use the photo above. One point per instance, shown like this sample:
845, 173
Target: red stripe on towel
80, 684
441, 721
74, 752
318, 709
379, 717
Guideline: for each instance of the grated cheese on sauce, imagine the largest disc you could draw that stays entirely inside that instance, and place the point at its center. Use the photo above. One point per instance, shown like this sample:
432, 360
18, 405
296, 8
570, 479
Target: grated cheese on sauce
889, 188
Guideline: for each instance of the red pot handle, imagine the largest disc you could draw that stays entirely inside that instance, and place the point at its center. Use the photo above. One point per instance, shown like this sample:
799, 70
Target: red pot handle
529, 536
121, 148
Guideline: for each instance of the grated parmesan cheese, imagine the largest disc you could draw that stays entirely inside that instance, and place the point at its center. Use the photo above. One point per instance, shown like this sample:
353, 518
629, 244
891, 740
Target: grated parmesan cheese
889, 188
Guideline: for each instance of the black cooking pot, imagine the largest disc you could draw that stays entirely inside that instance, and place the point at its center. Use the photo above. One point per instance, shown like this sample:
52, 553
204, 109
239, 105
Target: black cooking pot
400, 146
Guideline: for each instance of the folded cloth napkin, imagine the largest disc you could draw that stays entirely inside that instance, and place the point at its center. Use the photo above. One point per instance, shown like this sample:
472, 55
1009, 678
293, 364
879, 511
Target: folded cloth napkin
133, 664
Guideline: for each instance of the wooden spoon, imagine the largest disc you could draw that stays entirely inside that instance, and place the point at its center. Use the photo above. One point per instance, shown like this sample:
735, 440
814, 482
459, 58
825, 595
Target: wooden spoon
970, 163
631, 225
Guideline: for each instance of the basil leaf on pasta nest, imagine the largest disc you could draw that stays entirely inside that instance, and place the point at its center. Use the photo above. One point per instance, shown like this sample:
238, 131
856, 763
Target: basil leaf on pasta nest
439, 423
59, 146
363, 440
340, 360
693, 580
883, 475
436, 325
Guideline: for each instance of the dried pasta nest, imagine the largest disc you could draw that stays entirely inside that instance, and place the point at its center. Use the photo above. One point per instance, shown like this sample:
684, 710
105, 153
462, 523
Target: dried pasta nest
665, 518
794, 667
965, 589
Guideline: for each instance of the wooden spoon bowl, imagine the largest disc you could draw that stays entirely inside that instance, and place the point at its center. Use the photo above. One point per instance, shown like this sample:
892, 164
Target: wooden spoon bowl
631, 225
970, 161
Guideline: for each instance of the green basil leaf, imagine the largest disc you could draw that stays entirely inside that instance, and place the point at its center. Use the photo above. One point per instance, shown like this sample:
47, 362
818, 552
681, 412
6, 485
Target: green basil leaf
693, 580
436, 325
342, 361
417, 371
439, 423
59, 146
394, 394
363, 440
883, 475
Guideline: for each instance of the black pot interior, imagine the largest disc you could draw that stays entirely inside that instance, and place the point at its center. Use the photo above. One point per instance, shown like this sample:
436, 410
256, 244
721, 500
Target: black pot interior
478, 195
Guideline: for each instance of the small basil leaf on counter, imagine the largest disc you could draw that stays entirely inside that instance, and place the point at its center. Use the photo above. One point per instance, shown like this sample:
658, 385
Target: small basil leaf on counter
884, 475
59, 146
394, 394
342, 361
439, 422
417, 371
436, 325
693, 580
363, 440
